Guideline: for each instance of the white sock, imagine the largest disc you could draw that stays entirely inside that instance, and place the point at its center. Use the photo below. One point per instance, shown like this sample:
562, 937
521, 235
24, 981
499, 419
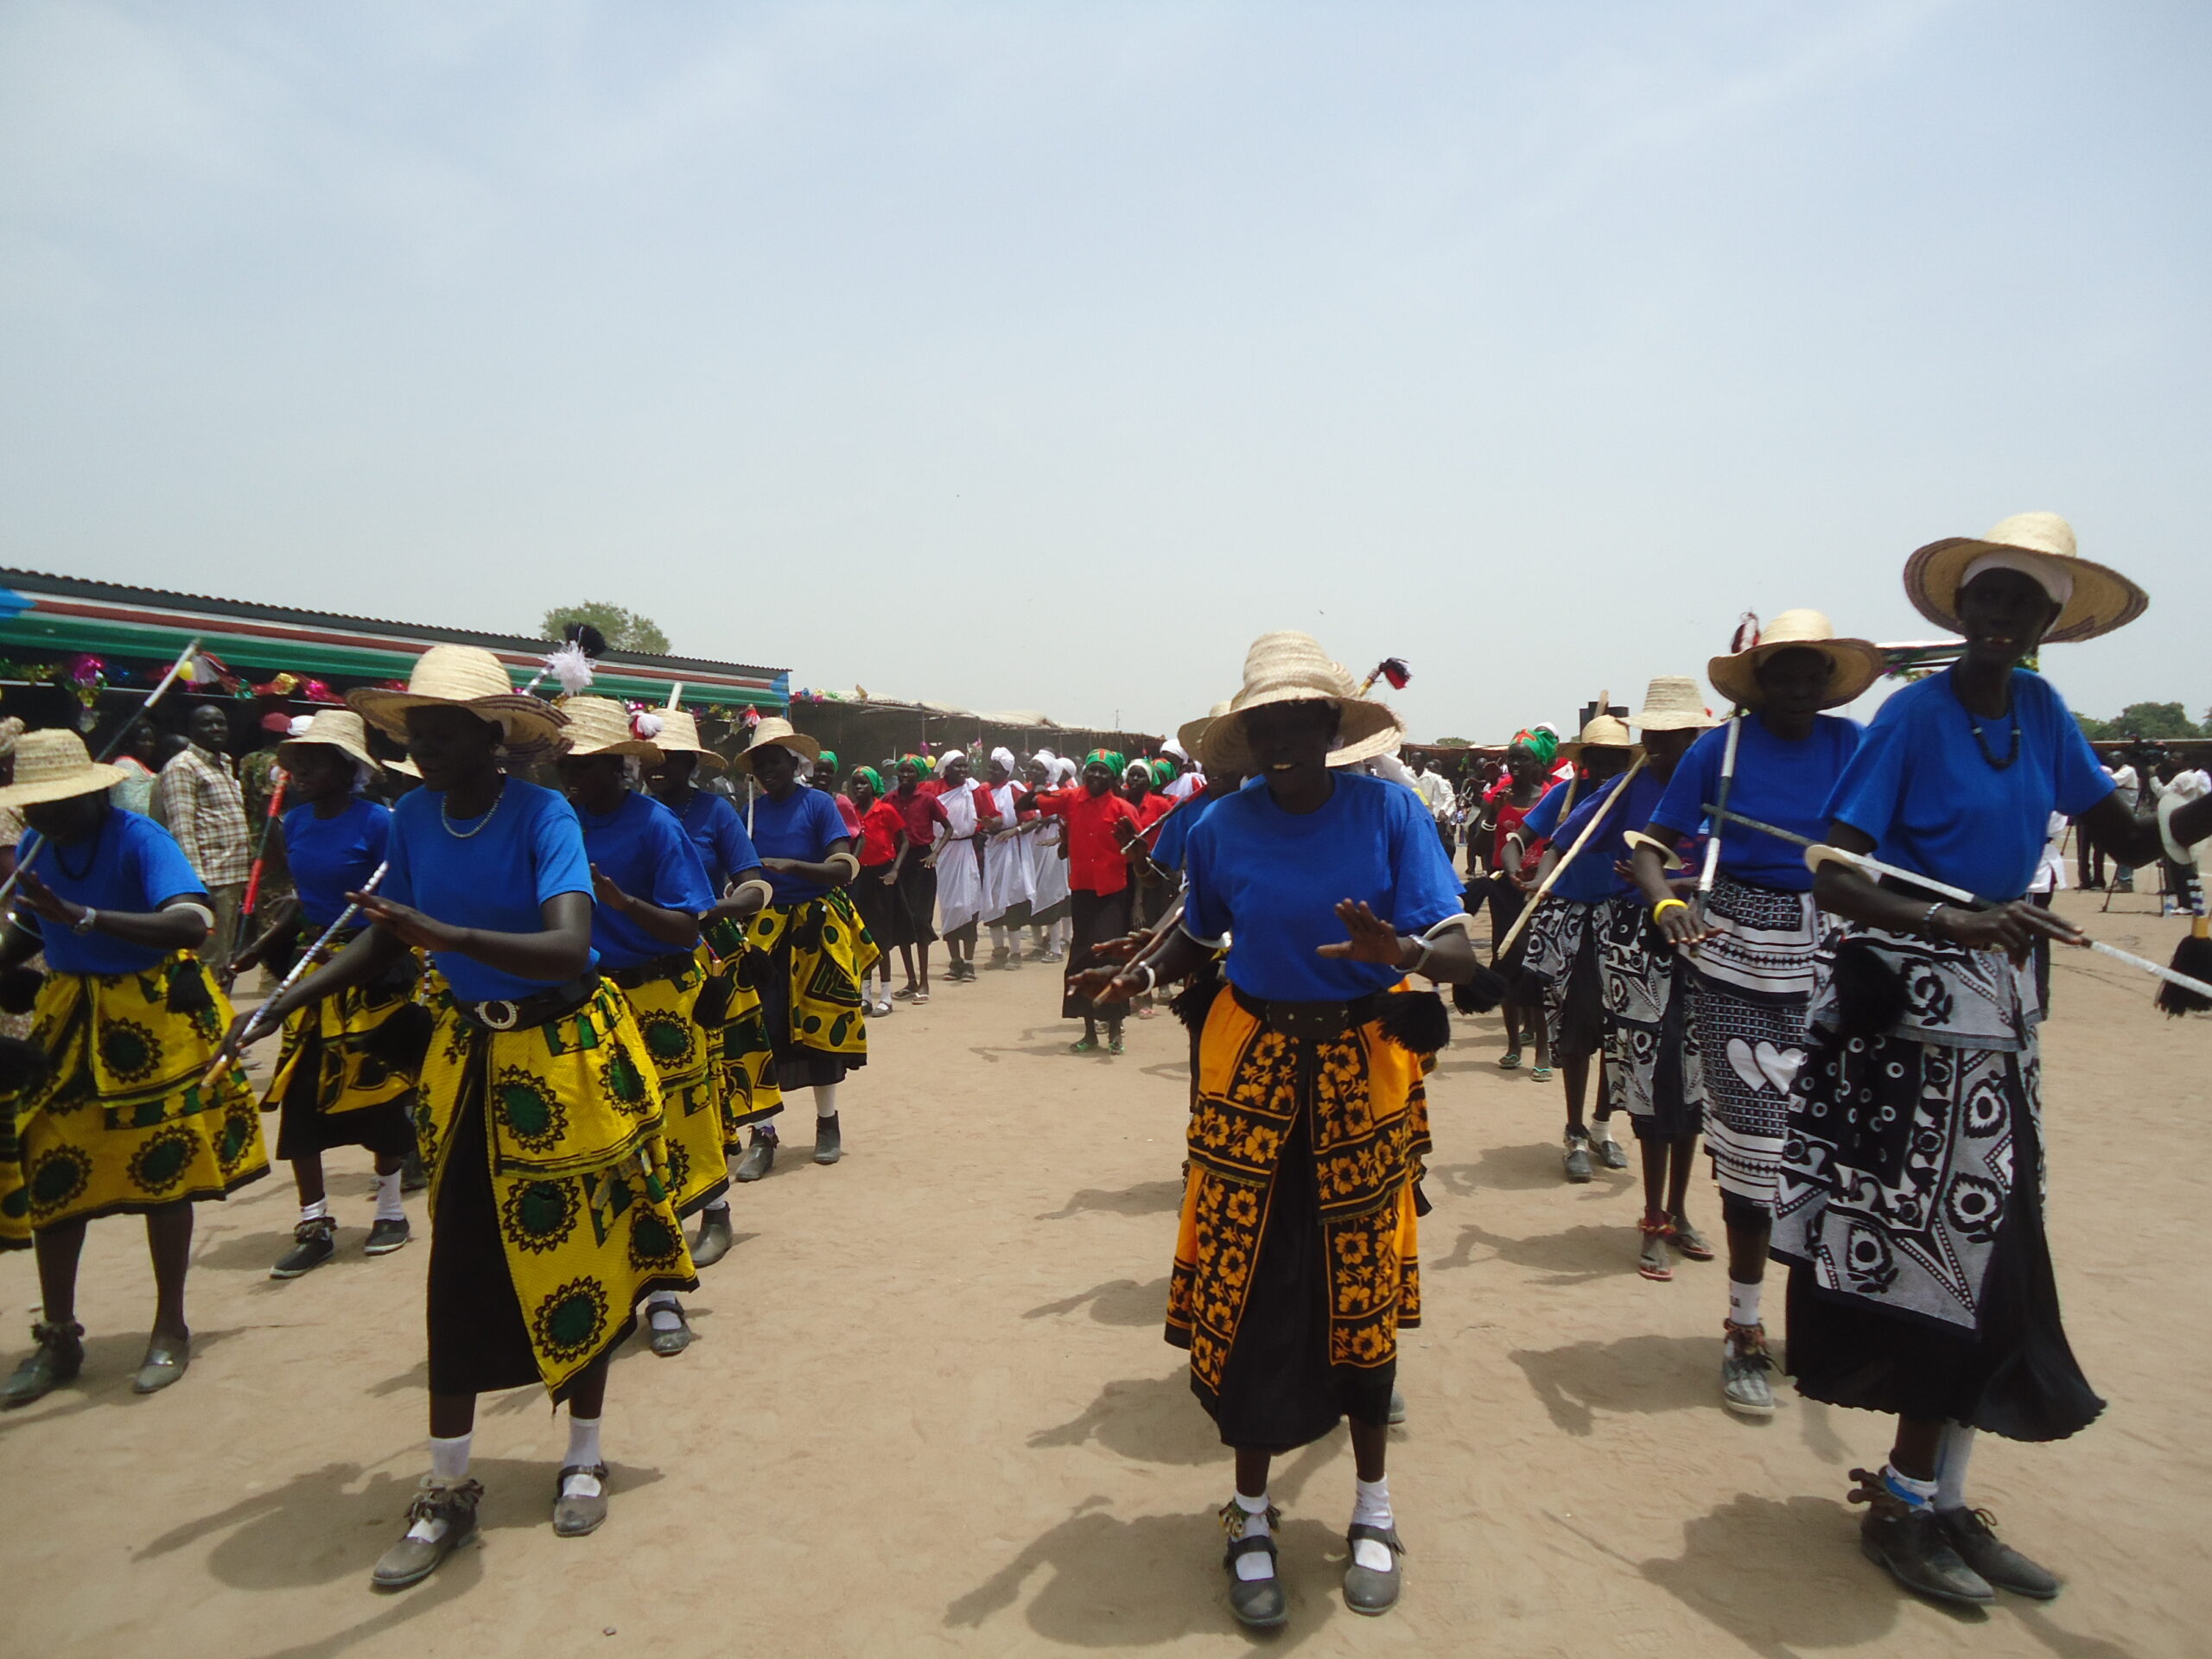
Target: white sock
1952, 1452
1744, 1302
583, 1452
998, 938
1917, 1493
825, 1101
662, 1314
388, 1205
1371, 1507
1257, 1565
448, 1462
315, 1211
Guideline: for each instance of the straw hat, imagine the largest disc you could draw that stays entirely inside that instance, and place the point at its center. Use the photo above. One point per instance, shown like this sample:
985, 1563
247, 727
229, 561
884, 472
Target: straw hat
1191, 734
1853, 665
602, 726
466, 677
1672, 704
679, 734
403, 767
52, 765
1604, 731
2041, 543
337, 728
1291, 667
776, 732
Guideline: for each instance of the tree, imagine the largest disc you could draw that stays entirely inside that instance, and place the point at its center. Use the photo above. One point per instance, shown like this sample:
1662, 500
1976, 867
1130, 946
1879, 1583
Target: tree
625, 629
2153, 719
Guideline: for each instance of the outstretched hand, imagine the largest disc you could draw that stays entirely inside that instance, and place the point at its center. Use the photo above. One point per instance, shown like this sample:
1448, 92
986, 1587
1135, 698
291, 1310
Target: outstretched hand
410, 924
1372, 939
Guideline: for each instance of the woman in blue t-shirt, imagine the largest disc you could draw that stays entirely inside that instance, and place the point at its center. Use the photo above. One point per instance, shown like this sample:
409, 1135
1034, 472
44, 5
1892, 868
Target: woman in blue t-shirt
1911, 1202
729, 1009
550, 1204
337, 1084
1751, 939
122, 1113
814, 949
1296, 1263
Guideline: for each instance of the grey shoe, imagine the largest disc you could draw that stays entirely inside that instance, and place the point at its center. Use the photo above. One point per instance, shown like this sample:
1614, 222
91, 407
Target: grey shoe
573, 1517
1397, 1408
1367, 1591
1972, 1533
715, 1238
386, 1235
760, 1158
165, 1362
413, 1559
1912, 1544
828, 1147
1258, 1603
57, 1359
668, 1344
1604, 1148
313, 1243
1578, 1156
1745, 1364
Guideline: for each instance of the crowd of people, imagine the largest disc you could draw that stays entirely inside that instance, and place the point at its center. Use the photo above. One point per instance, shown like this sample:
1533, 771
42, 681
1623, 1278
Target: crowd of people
555, 970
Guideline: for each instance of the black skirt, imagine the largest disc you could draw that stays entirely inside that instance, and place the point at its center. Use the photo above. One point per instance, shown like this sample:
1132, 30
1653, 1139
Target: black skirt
2016, 1376
479, 1342
918, 893
883, 911
1278, 1390
1098, 917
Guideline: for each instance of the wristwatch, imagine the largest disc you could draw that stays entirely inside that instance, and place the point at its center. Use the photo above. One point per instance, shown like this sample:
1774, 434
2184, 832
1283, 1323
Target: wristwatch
84, 923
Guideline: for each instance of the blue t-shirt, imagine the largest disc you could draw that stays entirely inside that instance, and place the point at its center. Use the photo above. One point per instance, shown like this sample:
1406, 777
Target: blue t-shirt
331, 857
801, 826
719, 834
1921, 787
1780, 783
527, 849
1173, 846
1590, 877
133, 865
1271, 879
643, 850
1607, 849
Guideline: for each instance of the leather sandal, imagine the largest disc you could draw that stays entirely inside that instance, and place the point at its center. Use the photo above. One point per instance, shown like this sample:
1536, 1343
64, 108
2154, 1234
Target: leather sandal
1687, 1239
57, 1359
574, 1516
165, 1363
1652, 1262
1367, 1591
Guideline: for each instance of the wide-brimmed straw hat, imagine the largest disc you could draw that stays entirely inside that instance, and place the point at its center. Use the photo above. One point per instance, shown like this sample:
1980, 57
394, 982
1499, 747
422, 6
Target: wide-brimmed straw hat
602, 726
776, 733
471, 677
52, 765
1853, 665
1291, 667
1672, 703
1192, 733
1604, 731
336, 728
679, 734
404, 768
2095, 598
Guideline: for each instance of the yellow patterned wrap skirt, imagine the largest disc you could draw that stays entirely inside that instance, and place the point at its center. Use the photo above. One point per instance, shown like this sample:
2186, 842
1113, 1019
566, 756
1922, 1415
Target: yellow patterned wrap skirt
336, 1036
691, 1122
123, 1125
568, 1118
821, 949
745, 1060
1320, 1140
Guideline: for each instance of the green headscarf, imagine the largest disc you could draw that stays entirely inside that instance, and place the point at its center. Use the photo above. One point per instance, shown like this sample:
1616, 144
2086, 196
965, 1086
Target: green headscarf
1543, 745
1163, 773
1110, 759
830, 759
875, 778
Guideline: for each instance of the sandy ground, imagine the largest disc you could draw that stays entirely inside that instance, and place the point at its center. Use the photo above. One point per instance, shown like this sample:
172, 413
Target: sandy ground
931, 1411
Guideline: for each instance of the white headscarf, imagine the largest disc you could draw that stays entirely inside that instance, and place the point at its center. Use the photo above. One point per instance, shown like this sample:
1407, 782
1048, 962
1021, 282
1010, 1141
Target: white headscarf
949, 757
1003, 757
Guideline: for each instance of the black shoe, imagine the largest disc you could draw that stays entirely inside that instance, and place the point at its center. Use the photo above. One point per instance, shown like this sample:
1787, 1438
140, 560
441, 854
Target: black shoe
57, 1359
1259, 1603
1576, 1156
1914, 1546
385, 1235
1367, 1591
313, 1243
1972, 1533
828, 1147
760, 1158
715, 1238
668, 1343
411, 1560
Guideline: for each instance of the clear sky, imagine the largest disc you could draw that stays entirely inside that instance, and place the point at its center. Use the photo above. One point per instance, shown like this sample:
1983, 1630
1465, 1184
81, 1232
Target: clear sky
1040, 355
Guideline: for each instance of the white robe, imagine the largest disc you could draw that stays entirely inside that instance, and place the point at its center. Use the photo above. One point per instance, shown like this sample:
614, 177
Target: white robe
1048, 871
959, 881
1005, 863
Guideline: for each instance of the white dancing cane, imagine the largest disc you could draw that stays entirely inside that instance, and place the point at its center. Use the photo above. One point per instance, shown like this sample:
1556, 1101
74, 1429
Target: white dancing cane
1704, 876
1544, 887
229, 1051
1818, 853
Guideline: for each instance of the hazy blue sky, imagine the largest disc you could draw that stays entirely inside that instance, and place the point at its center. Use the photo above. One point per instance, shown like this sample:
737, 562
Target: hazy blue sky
1037, 355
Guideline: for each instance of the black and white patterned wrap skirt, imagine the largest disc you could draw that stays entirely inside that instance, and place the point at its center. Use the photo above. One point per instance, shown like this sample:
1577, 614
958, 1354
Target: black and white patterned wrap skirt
1654, 1070
1559, 949
1754, 987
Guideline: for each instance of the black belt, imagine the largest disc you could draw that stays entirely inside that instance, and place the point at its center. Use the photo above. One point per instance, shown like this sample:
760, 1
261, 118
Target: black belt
502, 1013
1314, 1021
645, 973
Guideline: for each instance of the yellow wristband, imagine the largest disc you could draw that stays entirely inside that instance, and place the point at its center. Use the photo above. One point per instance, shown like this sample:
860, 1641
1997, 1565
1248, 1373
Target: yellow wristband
1661, 908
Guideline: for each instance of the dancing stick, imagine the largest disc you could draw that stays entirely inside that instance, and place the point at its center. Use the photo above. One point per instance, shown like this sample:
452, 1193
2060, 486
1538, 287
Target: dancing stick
254, 1025
37, 843
1818, 853
1713, 841
1565, 859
